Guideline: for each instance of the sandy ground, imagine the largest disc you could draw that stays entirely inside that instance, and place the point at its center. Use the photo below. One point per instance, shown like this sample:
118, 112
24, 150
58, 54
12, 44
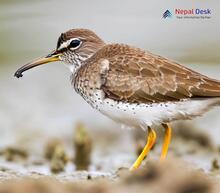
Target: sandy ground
191, 167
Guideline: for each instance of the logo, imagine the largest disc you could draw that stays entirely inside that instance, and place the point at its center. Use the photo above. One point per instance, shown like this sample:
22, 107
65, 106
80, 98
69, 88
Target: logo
167, 14
190, 13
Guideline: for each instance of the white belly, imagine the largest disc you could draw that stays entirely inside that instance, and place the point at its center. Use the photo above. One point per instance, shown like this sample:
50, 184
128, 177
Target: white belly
142, 115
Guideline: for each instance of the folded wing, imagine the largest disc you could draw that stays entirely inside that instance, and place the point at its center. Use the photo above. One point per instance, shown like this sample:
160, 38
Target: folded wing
137, 76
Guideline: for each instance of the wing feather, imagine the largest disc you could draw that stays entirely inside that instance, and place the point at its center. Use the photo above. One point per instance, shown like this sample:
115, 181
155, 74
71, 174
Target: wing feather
138, 76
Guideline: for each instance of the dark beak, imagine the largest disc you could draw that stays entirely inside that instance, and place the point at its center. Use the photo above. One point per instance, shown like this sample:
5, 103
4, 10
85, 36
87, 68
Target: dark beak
54, 56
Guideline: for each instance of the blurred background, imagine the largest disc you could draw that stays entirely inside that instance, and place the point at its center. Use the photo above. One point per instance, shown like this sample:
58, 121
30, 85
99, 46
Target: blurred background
43, 104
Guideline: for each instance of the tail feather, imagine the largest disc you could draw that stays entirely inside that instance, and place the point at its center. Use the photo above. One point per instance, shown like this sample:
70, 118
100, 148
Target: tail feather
211, 88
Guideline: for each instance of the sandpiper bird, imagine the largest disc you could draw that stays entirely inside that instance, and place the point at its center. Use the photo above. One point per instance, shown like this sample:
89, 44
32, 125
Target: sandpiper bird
131, 86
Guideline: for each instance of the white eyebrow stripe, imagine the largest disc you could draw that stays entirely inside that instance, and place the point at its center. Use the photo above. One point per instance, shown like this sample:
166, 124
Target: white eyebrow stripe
67, 43
64, 45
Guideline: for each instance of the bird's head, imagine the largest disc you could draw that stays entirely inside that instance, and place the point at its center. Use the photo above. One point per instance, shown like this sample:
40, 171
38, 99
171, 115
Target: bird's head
73, 47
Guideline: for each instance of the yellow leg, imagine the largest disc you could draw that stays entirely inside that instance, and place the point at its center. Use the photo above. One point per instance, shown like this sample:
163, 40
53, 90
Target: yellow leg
150, 142
167, 138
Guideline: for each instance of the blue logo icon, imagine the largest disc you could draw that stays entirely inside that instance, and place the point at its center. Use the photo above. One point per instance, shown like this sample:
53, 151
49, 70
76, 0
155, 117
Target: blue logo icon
167, 14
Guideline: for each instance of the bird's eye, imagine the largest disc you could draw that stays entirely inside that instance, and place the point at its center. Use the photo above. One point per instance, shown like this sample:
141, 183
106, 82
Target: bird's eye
75, 43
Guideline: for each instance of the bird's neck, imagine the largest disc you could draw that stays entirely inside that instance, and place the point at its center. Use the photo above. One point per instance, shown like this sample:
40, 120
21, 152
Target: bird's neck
75, 63
75, 67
